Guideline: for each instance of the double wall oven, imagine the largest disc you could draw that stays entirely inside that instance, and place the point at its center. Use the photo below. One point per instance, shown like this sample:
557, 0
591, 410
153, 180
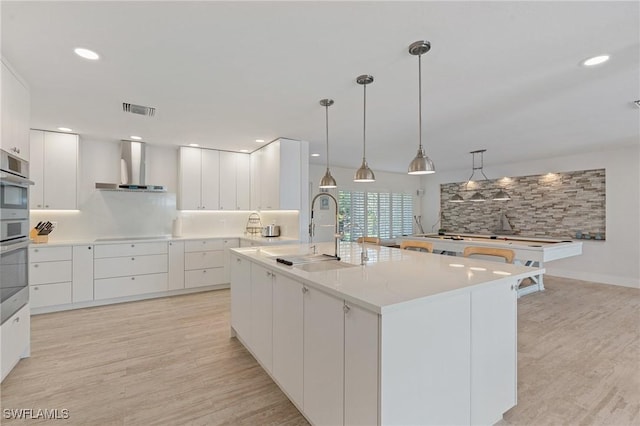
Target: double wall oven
14, 235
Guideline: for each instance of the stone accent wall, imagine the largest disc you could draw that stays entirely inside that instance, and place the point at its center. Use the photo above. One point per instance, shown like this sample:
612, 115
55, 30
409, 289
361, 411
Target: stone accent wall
556, 205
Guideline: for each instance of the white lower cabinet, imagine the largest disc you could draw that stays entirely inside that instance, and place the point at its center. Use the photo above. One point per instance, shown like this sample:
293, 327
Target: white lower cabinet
262, 315
322, 353
111, 288
50, 294
323, 358
204, 263
50, 276
288, 332
82, 284
15, 336
122, 270
361, 363
240, 273
176, 265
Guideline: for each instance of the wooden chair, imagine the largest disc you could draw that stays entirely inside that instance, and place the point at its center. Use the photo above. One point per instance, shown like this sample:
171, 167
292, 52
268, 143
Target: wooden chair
418, 245
370, 240
506, 254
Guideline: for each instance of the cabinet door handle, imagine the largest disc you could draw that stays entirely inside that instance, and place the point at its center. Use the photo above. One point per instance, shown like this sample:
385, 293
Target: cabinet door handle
304, 290
346, 309
268, 273
133, 245
17, 319
513, 287
39, 205
133, 258
35, 266
36, 288
46, 206
133, 278
238, 259
36, 250
204, 271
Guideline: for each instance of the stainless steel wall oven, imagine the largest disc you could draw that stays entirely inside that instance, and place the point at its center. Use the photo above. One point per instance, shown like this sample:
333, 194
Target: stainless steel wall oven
14, 234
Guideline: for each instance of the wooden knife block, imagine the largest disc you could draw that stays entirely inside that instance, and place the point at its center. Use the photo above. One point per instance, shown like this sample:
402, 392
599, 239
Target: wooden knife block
38, 239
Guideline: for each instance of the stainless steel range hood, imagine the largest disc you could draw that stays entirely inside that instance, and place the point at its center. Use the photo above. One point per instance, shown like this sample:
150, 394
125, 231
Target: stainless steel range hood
132, 170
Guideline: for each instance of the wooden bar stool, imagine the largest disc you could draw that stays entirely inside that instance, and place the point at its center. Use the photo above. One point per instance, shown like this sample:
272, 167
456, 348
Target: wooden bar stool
370, 240
506, 254
417, 245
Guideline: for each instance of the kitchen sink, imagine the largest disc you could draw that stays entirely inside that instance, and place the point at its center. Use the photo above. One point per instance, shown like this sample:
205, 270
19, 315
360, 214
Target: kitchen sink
327, 265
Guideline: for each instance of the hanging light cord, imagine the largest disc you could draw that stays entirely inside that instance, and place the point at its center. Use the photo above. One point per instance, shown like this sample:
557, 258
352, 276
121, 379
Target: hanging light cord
364, 125
420, 99
326, 108
474, 168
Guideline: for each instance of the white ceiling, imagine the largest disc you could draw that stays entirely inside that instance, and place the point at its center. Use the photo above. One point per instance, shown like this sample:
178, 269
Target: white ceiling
504, 76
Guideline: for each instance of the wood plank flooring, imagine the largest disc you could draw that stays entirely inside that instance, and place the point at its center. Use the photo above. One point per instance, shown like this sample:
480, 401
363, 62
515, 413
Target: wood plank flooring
171, 362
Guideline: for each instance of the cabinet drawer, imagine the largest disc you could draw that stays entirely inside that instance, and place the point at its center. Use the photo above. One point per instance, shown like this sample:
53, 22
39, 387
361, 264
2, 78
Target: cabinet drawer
129, 249
134, 265
203, 277
49, 254
49, 272
203, 260
49, 294
231, 243
15, 339
203, 245
110, 288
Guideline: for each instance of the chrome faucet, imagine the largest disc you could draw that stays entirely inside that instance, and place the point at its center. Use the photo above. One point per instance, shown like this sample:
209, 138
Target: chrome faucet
312, 226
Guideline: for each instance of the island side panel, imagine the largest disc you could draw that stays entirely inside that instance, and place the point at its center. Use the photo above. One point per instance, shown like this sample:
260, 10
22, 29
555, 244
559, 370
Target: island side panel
494, 355
425, 363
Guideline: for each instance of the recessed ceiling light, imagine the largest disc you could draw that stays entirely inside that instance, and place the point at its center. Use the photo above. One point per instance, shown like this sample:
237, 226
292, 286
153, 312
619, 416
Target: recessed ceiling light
259, 140
244, 150
86, 53
136, 138
596, 60
64, 129
194, 144
315, 155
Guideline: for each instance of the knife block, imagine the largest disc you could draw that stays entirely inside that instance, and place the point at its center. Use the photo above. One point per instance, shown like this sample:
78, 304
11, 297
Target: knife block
38, 239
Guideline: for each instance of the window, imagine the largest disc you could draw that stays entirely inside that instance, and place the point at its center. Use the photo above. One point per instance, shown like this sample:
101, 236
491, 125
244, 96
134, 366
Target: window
375, 214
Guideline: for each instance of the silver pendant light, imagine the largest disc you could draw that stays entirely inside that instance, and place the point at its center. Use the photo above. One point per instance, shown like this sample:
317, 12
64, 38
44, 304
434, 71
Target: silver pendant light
364, 173
421, 164
327, 180
501, 195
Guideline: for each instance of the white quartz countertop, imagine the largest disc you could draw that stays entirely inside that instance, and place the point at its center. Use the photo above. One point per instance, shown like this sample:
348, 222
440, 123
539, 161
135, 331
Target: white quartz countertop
147, 239
392, 277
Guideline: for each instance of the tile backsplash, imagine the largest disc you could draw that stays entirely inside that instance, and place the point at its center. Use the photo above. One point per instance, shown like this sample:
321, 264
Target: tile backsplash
561, 205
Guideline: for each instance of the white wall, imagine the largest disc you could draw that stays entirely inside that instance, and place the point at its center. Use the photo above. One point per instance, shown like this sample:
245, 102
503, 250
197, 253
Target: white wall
385, 182
134, 214
614, 261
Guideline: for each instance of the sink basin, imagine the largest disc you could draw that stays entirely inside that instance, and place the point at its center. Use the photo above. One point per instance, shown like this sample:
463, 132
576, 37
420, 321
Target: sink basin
324, 266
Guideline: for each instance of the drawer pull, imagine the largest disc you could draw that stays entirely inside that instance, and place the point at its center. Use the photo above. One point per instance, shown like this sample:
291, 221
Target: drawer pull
17, 319
133, 245
36, 250
204, 271
133, 258
35, 266
36, 288
133, 278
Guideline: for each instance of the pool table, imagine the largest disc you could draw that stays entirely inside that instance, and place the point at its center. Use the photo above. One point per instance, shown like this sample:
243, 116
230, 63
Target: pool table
529, 251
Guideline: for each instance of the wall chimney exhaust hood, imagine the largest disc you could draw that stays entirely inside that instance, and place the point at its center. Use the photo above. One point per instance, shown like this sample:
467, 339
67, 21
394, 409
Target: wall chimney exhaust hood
132, 170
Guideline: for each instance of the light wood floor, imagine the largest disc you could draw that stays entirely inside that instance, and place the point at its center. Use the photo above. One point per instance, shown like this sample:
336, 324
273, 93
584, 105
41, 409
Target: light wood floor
170, 362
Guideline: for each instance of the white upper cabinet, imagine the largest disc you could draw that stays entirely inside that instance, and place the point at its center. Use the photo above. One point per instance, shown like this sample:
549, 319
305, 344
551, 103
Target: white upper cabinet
15, 114
54, 169
277, 173
213, 180
234, 181
199, 179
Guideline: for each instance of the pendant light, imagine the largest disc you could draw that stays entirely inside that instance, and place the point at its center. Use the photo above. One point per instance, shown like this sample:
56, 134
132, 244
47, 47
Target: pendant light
364, 173
421, 164
501, 195
327, 180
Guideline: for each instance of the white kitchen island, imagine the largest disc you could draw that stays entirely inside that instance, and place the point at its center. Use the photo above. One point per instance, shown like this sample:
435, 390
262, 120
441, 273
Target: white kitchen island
409, 338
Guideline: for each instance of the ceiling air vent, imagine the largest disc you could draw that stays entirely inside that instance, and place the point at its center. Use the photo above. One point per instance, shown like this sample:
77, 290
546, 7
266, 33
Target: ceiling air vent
138, 109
